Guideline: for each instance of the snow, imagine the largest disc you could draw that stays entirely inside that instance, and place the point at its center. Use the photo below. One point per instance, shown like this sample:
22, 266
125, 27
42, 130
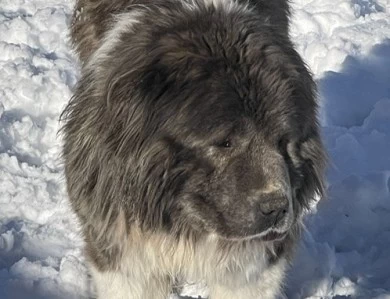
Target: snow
344, 252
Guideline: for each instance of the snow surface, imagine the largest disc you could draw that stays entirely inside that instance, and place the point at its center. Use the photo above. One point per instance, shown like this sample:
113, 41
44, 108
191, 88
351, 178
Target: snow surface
346, 251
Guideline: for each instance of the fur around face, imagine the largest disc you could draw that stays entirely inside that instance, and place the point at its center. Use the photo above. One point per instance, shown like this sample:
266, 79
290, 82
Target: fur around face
191, 145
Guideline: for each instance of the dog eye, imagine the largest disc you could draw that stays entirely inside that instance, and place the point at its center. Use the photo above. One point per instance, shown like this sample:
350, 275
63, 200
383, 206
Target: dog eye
225, 144
282, 145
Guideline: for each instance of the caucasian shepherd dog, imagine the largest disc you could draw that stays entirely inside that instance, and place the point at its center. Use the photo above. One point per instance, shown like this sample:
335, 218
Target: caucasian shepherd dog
192, 145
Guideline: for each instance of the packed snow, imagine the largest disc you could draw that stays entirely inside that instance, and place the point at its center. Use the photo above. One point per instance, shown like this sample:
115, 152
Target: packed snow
345, 252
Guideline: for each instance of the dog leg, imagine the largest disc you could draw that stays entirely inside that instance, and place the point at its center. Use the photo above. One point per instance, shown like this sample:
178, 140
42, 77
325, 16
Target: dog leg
119, 285
268, 286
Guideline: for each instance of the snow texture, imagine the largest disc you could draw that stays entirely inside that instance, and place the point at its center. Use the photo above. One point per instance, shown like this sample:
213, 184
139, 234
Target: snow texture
344, 252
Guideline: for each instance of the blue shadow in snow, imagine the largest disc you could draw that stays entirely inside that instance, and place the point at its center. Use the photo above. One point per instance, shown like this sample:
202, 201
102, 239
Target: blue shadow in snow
349, 96
349, 234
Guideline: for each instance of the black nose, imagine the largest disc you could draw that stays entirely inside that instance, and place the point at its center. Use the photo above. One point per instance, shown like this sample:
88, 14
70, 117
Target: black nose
273, 208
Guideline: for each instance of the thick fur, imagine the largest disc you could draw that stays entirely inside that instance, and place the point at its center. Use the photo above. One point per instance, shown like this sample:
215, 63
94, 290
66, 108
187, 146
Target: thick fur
191, 145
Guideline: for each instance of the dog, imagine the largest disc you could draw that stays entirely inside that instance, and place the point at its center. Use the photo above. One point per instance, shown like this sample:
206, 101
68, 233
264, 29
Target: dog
191, 145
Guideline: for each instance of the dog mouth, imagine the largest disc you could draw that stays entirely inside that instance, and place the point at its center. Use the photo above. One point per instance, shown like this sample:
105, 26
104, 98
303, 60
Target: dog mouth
273, 236
270, 236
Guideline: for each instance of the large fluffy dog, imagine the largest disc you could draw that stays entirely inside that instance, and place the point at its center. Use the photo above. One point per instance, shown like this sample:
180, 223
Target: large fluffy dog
191, 145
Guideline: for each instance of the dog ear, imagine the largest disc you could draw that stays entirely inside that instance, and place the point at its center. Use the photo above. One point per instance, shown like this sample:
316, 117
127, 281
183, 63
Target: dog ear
153, 167
314, 162
276, 11
311, 148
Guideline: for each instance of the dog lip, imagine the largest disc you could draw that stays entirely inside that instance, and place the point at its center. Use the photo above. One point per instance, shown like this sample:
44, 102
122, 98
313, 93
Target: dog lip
274, 236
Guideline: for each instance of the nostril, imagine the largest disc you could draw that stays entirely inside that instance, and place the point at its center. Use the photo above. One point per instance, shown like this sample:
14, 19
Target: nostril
274, 208
281, 214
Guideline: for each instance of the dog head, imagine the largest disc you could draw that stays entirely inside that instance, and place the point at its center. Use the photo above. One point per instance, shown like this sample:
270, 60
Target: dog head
217, 118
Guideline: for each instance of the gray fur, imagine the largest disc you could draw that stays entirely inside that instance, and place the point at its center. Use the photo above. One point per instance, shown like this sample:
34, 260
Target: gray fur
195, 124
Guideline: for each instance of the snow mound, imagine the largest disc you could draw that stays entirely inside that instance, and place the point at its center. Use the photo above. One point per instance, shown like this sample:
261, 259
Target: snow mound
40, 249
327, 31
